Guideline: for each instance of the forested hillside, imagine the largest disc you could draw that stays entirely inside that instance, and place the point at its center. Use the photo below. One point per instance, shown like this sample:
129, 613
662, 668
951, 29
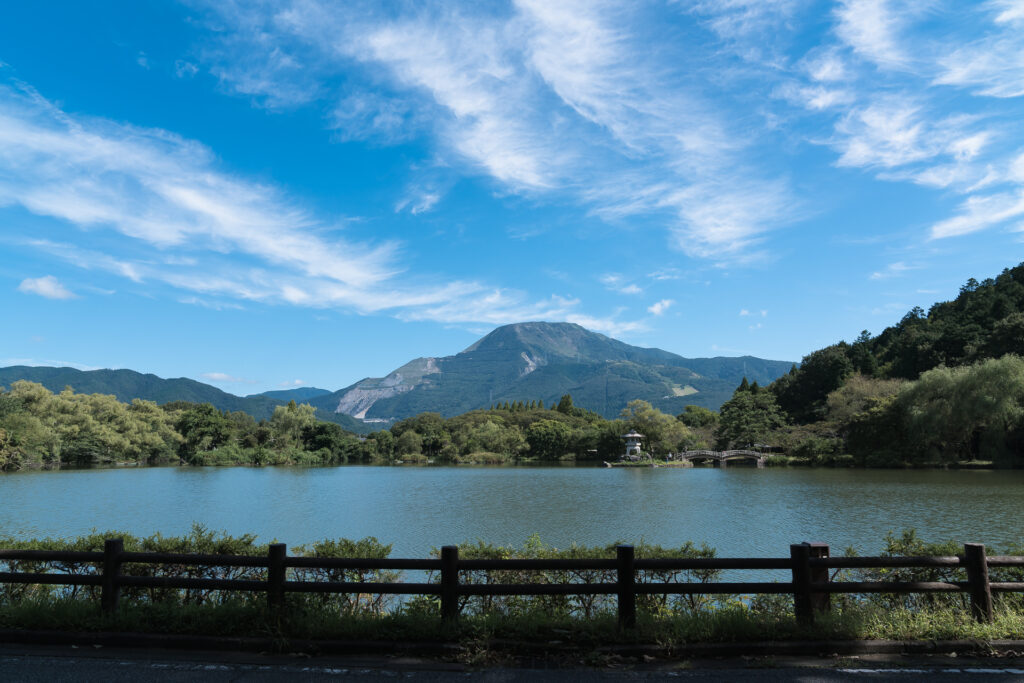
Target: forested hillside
941, 387
126, 385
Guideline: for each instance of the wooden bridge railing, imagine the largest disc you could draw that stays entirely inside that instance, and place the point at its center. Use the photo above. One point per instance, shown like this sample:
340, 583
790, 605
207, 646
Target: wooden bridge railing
809, 564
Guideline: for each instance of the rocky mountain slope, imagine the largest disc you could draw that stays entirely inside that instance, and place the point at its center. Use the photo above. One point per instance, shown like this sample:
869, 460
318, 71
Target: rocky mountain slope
539, 360
525, 361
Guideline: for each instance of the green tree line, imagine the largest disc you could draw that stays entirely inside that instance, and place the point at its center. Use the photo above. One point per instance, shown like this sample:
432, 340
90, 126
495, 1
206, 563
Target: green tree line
938, 388
39, 428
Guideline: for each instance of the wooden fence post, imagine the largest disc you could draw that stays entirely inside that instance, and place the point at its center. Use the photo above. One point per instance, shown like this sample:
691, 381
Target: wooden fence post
450, 583
111, 588
820, 602
275, 575
977, 578
800, 554
624, 556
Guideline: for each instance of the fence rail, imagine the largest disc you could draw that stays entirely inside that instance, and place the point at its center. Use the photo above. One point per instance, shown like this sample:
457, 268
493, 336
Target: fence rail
809, 563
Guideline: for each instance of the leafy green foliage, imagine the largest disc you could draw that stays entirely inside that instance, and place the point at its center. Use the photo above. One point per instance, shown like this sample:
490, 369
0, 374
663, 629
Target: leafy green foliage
662, 433
127, 385
748, 418
42, 429
580, 620
937, 388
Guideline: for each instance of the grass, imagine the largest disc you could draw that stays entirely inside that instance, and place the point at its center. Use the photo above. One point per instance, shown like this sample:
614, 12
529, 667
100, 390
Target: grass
727, 624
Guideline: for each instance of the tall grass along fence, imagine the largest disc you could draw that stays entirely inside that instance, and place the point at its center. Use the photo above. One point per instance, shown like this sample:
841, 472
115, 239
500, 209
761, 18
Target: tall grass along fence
455, 584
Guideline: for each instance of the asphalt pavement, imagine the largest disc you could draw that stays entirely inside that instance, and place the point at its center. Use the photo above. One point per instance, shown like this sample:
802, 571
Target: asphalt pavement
58, 664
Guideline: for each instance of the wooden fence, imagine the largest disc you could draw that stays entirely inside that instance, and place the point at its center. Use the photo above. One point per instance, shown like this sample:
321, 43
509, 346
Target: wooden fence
809, 564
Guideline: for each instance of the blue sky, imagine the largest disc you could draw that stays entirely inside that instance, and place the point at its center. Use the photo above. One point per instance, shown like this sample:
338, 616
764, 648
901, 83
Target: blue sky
270, 194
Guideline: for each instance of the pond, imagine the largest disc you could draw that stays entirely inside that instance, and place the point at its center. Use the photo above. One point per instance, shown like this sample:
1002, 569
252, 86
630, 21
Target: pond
741, 511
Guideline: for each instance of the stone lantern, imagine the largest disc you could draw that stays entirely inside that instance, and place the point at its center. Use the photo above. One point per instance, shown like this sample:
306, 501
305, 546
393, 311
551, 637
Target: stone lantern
633, 444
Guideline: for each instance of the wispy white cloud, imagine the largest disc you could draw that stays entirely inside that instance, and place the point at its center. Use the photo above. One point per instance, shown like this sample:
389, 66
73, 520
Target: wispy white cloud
292, 383
617, 283
419, 200
47, 286
892, 270
561, 100
48, 362
190, 221
883, 87
185, 69
610, 325
213, 305
895, 132
161, 189
223, 378
980, 212
665, 274
994, 65
660, 307
872, 28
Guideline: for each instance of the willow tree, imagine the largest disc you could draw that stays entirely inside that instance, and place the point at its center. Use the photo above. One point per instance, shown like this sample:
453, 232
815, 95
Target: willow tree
975, 411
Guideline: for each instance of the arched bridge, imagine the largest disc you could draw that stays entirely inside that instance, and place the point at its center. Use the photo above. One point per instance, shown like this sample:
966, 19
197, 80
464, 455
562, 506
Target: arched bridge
721, 458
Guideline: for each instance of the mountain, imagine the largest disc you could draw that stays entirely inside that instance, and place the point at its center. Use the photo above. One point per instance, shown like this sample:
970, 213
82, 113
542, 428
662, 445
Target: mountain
299, 395
540, 360
128, 384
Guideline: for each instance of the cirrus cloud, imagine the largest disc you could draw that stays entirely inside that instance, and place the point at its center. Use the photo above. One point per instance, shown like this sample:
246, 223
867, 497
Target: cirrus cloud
47, 286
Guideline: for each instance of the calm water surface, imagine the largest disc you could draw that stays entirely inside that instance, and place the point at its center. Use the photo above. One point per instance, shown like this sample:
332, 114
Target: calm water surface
739, 511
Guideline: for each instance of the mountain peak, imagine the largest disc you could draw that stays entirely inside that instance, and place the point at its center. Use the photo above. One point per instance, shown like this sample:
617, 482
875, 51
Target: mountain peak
545, 360
539, 337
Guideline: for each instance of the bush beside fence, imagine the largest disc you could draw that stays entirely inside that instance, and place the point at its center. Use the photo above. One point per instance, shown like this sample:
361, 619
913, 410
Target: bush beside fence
360, 577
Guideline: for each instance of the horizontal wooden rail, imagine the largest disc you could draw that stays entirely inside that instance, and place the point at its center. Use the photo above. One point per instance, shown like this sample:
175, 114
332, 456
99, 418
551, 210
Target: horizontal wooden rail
891, 587
193, 583
52, 579
554, 564
361, 563
362, 587
684, 563
625, 576
712, 588
50, 556
194, 560
884, 562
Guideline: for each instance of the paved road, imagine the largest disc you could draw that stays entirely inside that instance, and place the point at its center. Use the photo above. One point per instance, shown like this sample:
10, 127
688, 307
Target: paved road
20, 664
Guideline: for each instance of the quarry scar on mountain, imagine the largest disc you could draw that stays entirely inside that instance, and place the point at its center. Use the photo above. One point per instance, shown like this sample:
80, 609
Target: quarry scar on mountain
540, 360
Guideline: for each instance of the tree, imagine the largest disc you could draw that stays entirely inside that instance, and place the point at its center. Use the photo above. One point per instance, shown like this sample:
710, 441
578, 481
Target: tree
409, 443
549, 439
202, 428
861, 356
967, 412
10, 455
326, 436
662, 433
565, 405
288, 421
802, 395
695, 417
748, 418
856, 395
